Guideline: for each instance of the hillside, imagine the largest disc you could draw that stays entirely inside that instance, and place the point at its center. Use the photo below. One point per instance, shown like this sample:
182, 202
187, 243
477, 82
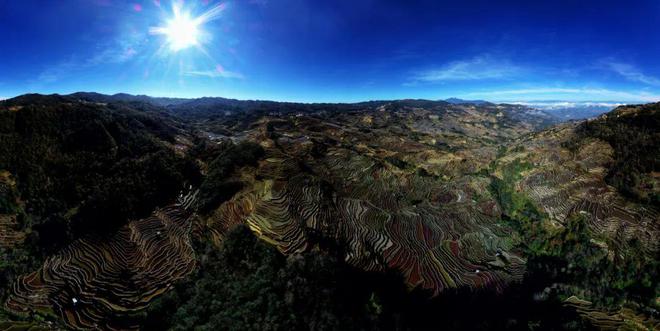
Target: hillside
123, 212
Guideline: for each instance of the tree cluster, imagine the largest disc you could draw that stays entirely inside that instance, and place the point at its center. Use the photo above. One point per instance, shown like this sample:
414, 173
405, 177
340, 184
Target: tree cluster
636, 142
85, 168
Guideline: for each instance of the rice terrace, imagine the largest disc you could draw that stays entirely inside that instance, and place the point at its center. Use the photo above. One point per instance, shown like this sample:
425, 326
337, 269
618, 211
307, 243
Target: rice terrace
424, 165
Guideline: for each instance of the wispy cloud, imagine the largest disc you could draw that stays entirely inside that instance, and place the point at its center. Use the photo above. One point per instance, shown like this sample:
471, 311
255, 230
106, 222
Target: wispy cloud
55, 72
218, 72
560, 93
113, 54
631, 73
478, 68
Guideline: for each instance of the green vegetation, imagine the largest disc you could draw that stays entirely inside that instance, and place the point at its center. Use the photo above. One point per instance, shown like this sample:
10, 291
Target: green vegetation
13, 263
248, 284
7, 199
218, 186
14, 260
401, 164
568, 256
132, 190
636, 143
514, 203
86, 169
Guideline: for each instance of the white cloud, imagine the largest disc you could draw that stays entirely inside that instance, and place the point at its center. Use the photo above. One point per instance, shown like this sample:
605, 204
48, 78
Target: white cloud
69, 67
214, 74
55, 72
478, 68
577, 94
113, 53
631, 73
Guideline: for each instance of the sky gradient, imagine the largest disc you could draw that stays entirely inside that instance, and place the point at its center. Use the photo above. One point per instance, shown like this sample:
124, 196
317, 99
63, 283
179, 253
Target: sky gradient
338, 51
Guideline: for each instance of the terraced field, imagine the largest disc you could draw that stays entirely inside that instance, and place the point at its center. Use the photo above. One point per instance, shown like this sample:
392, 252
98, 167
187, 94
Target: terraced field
451, 197
102, 283
393, 200
10, 234
622, 319
413, 198
568, 184
562, 183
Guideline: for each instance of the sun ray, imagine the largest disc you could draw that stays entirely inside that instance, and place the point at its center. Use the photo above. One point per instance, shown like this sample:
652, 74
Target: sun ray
211, 14
183, 31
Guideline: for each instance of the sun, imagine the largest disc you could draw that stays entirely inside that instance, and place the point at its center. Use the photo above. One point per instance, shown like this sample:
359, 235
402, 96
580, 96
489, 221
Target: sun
181, 32
184, 31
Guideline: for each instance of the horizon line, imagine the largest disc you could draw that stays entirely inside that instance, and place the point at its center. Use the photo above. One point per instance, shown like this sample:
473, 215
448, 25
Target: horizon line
467, 100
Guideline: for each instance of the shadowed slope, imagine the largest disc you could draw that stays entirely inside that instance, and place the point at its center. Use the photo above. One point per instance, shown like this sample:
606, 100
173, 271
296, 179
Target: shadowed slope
101, 283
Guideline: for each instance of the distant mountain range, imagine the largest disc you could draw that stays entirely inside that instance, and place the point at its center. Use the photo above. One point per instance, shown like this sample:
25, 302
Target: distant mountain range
458, 101
570, 110
561, 110
553, 110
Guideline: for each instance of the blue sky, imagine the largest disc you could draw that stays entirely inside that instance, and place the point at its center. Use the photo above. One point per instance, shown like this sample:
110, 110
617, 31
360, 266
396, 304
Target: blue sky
337, 50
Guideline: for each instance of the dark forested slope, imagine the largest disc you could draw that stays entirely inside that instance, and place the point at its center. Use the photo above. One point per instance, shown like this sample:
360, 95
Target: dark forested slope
633, 134
84, 168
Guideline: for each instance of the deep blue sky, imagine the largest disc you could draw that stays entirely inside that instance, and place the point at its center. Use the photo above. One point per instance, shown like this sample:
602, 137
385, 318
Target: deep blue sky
339, 50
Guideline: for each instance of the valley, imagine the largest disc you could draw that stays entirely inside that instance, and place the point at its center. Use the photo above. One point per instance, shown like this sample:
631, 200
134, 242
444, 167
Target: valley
113, 206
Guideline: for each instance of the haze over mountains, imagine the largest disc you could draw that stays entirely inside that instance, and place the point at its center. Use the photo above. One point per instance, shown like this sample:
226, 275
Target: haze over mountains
565, 110
558, 110
561, 110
